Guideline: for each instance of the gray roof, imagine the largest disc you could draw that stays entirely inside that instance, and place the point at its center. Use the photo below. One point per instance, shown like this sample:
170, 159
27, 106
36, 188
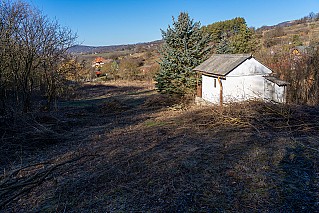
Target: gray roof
276, 81
222, 64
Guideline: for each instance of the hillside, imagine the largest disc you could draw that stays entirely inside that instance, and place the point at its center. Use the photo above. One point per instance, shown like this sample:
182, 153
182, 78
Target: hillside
114, 145
141, 59
121, 147
289, 35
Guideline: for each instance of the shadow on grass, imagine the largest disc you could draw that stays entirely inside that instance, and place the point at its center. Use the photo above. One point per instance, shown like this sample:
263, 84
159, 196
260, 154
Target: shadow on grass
297, 191
76, 121
93, 91
198, 160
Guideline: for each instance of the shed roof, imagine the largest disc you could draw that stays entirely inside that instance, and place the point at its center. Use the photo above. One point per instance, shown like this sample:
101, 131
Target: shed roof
222, 64
276, 81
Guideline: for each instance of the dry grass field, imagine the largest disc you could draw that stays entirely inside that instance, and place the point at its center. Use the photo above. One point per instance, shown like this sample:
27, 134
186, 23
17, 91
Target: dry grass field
122, 147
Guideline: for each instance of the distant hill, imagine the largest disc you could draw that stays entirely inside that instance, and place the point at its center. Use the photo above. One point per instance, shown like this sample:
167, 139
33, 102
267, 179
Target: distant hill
300, 32
282, 24
82, 49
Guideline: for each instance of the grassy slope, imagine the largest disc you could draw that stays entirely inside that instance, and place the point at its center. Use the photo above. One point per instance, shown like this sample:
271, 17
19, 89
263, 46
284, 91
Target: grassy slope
127, 148
307, 32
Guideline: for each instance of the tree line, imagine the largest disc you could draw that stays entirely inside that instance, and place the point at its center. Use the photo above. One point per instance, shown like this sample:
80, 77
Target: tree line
231, 36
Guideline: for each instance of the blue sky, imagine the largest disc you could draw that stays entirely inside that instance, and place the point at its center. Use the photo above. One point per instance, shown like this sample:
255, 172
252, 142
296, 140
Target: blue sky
106, 22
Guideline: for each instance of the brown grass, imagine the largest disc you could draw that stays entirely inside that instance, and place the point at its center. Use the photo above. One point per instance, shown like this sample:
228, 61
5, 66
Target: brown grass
148, 155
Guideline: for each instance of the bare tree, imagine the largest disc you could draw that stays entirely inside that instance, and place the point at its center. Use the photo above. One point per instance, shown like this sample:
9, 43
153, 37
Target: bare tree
32, 46
301, 71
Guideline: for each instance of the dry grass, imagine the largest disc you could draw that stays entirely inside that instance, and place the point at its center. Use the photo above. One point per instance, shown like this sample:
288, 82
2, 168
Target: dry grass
148, 155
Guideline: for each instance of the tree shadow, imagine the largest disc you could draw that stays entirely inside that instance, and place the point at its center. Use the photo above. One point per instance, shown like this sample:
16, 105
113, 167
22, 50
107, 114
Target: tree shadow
196, 160
193, 162
297, 191
75, 121
169, 166
98, 90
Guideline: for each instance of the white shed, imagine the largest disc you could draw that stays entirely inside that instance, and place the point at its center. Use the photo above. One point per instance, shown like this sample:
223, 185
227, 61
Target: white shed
238, 77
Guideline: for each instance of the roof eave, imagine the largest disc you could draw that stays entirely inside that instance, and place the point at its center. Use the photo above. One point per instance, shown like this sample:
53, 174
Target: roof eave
219, 75
212, 75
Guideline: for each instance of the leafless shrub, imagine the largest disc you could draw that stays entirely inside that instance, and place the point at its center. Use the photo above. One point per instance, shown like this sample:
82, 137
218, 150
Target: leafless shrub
31, 49
300, 71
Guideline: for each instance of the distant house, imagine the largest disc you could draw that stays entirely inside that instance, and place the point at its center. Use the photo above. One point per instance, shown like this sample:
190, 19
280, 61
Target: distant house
303, 50
238, 77
298, 50
98, 62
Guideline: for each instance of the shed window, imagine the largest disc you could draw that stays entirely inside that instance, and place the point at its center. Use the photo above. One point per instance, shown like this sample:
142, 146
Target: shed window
215, 82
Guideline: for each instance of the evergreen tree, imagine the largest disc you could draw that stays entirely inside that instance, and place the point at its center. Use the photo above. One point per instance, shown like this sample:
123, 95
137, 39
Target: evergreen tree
244, 41
296, 41
228, 27
231, 36
224, 46
185, 46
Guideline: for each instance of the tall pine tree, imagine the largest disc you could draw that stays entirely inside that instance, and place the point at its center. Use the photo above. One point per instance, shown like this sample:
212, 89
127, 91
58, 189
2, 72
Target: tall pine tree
232, 36
224, 46
185, 46
244, 41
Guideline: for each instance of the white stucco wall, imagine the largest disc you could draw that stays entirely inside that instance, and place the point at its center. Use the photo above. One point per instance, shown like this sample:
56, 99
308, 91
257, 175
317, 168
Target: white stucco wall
250, 67
280, 94
273, 92
243, 88
245, 82
209, 92
234, 88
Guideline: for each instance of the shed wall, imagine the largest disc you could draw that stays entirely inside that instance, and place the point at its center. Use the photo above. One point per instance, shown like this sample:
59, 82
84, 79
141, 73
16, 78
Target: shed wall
273, 92
243, 88
209, 91
248, 68
234, 88
280, 94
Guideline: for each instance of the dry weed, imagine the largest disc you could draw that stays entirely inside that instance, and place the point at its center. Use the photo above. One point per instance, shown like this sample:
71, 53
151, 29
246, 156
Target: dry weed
247, 157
